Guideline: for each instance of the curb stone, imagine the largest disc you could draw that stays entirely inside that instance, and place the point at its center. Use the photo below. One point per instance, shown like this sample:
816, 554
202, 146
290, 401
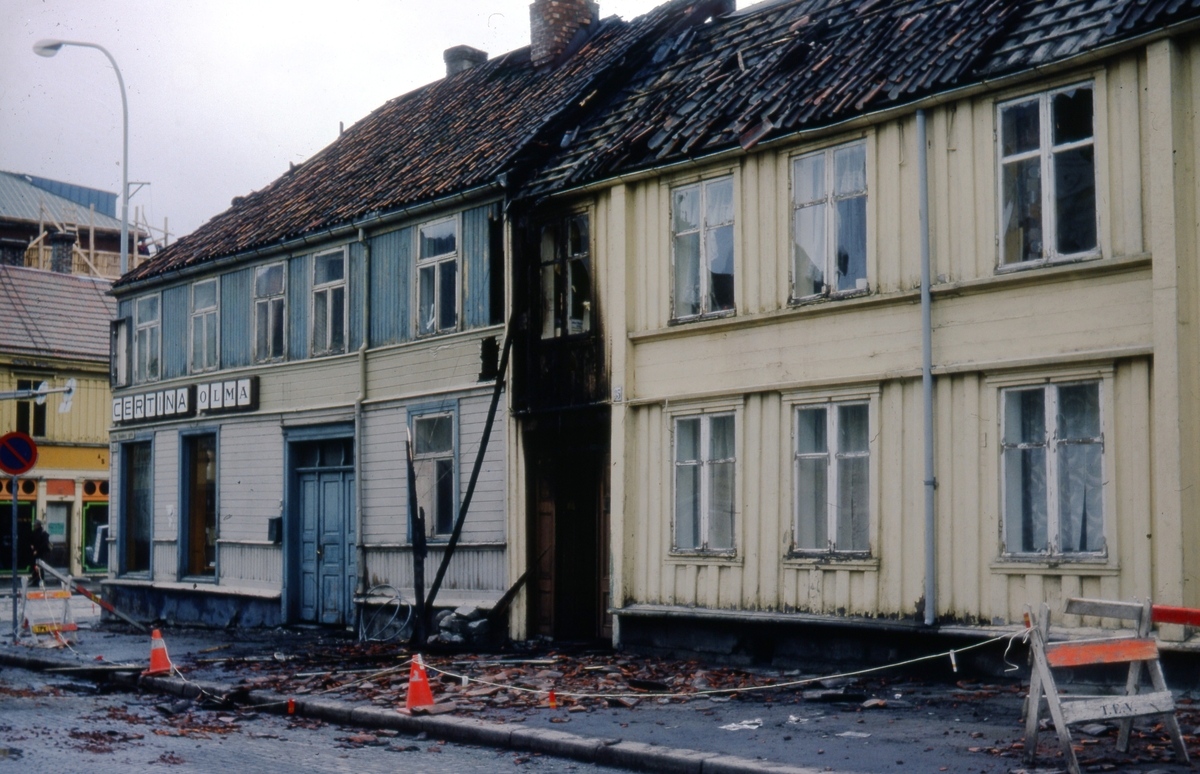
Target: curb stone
630, 755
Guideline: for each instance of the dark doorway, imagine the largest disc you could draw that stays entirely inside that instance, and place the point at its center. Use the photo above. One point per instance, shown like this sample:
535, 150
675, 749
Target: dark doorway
570, 536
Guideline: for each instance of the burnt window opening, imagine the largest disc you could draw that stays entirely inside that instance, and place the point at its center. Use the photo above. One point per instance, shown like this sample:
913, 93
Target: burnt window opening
489, 359
31, 418
566, 281
1048, 177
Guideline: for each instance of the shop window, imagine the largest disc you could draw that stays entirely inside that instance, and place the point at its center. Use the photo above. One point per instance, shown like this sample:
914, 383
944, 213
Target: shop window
147, 343
832, 475
204, 322
1047, 177
137, 473
329, 303
31, 418
270, 312
829, 222
702, 248
1053, 470
200, 505
704, 482
566, 278
437, 277
433, 458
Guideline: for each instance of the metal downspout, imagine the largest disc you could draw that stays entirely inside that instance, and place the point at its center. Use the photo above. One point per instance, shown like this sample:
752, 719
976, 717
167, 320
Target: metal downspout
927, 374
358, 408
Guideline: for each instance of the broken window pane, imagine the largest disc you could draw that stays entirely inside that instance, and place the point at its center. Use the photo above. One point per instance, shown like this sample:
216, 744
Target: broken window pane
1026, 521
439, 239
447, 295
147, 310
1080, 505
1075, 199
268, 280
686, 209
1022, 211
550, 326
578, 235
444, 507
425, 303
1020, 128
1072, 116
548, 251
720, 268
262, 313
1079, 412
320, 322
210, 340
850, 169
277, 309
204, 295
718, 197
579, 297
852, 243
808, 241
808, 182
337, 319
687, 275
433, 435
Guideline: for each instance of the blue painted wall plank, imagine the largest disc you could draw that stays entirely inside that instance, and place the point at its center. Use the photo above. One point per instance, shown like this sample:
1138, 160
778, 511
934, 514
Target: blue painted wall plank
354, 295
237, 322
298, 290
175, 332
476, 266
391, 275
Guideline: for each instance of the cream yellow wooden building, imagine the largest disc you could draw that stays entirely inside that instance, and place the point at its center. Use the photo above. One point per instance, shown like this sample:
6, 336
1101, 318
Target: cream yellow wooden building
760, 301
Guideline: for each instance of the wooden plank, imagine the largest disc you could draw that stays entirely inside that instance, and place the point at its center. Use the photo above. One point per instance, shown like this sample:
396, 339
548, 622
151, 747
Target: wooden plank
1106, 651
1077, 710
1175, 615
1129, 611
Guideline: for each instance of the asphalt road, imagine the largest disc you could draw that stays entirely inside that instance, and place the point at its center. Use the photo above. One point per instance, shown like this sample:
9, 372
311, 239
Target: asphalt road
61, 726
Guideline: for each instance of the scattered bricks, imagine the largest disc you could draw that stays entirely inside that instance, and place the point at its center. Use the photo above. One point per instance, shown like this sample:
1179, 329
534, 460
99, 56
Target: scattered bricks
556, 743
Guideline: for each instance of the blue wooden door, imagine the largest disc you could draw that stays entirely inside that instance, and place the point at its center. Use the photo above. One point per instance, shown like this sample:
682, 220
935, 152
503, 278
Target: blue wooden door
327, 545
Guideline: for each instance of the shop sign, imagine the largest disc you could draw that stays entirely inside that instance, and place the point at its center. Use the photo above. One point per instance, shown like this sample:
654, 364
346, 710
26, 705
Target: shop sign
183, 402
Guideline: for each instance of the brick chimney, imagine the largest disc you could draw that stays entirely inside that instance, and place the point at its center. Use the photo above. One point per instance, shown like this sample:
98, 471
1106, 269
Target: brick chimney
553, 24
462, 58
61, 253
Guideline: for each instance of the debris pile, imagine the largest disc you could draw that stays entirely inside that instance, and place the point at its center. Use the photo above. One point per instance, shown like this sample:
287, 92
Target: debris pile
468, 625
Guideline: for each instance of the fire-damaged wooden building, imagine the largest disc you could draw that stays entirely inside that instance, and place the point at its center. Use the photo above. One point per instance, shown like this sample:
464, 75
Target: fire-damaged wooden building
853, 316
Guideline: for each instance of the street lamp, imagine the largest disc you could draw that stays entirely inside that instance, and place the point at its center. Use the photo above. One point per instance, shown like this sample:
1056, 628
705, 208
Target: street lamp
51, 47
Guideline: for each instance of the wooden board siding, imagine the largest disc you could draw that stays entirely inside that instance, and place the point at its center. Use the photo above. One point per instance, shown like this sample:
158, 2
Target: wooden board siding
474, 568
391, 270
250, 564
299, 292
250, 489
237, 318
176, 303
384, 490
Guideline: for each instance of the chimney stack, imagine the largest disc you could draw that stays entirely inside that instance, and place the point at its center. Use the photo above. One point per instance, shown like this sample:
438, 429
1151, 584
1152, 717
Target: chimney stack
554, 23
462, 58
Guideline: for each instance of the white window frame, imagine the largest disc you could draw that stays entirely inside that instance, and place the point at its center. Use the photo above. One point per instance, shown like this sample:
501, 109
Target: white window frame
705, 464
257, 299
833, 455
830, 201
201, 317
436, 262
328, 287
1046, 150
703, 228
139, 328
1052, 445
433, 457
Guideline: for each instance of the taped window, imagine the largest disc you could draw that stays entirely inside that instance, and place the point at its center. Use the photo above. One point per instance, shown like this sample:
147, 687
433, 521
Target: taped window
1048, 177
702, 248
829, 222
705, 462
833, 479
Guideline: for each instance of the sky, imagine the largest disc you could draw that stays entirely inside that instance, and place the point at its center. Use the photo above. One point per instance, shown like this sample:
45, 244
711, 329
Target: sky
223, 94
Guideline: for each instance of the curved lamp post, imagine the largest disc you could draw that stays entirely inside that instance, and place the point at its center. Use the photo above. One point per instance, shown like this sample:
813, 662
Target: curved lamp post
51, 47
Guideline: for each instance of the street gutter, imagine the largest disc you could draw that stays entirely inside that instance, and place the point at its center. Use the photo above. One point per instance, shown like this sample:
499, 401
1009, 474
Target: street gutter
634, 756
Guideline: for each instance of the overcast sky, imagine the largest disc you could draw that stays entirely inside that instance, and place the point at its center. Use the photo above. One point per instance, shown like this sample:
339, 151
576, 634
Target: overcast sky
222, 93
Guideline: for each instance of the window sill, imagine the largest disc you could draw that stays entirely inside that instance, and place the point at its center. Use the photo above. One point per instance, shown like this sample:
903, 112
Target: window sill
1046, 263
1055, 566
703, 557
830, 297
829, 561
699, 318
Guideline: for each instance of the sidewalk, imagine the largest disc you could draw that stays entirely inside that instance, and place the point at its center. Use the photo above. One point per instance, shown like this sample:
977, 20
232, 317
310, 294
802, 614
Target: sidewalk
880, 723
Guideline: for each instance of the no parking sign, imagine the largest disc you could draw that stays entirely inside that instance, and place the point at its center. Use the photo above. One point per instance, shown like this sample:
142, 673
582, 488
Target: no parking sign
18, 453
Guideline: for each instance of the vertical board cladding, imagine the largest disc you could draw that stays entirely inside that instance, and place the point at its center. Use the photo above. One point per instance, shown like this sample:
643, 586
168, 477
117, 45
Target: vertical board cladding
391, 268
175, 332
476, 237
237, 323
125, 308
977, 582
299, 288
166, 505
250, 566
473, 568
250, 485
354, 294
384, 475
485, 520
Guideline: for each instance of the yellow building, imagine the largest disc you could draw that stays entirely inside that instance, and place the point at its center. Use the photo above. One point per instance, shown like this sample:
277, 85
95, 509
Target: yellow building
54, 327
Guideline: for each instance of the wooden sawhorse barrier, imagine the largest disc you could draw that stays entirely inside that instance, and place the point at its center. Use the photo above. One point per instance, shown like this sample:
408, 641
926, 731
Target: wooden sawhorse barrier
1137, 651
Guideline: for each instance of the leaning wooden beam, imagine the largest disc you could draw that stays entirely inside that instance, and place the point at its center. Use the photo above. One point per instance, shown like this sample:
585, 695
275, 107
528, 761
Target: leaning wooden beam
94, 597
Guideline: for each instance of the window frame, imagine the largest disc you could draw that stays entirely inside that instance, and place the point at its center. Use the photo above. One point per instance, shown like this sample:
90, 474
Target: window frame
833, 454
703, 228
560, 229
256, 299
328, 288
200, 316
829, 201
33, 412
705, 415
138, 328
436, 262
122, 538
1045, 152
447, 409
1052, 444
185, 502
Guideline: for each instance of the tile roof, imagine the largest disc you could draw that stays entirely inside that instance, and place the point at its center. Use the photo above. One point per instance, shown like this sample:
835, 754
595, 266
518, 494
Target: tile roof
787, 65
47, 314
448, 137
21, 200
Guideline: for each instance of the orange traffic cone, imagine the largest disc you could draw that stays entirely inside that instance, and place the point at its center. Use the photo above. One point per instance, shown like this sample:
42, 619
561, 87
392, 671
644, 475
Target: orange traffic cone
160, 662
419, 694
